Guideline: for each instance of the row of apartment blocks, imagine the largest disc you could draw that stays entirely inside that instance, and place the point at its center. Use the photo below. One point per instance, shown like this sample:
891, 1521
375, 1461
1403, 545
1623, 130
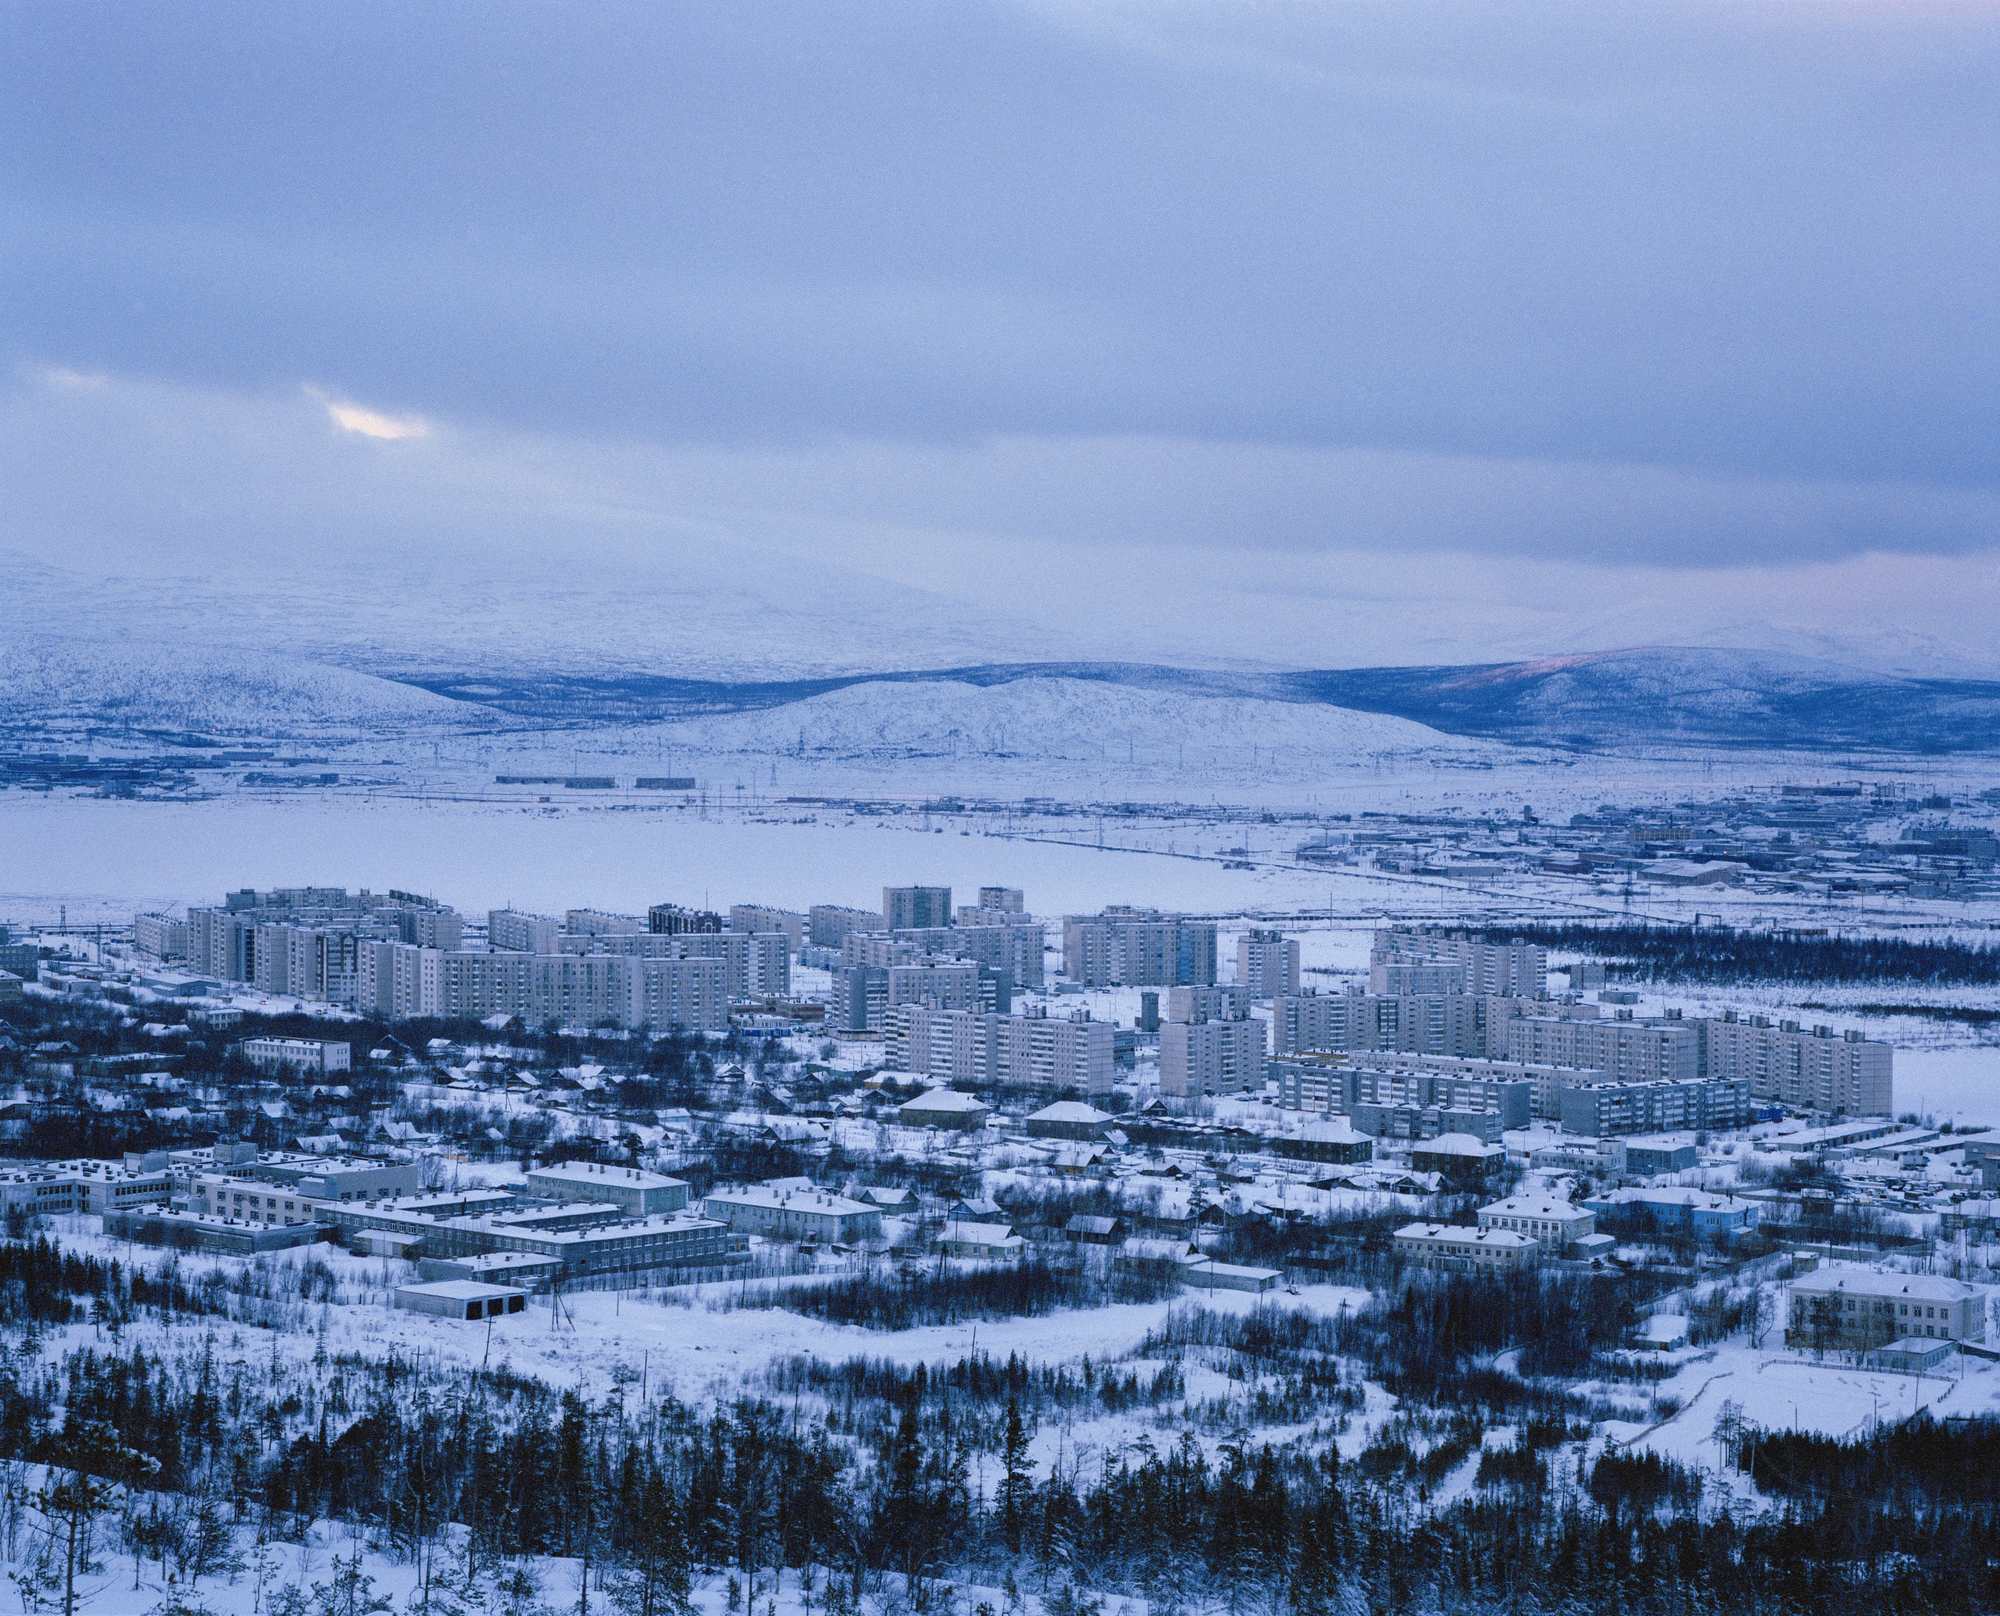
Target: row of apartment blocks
690, 991
978, 1049
1807, 1069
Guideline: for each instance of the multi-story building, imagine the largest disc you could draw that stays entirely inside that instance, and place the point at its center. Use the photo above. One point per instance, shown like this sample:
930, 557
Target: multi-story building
81, 1186
1221, 1056
828, 924
1857, 1309
1401, 976
792, 1209
1003, 901
518, 932
939, 984
976, 1049
600, 923
673, 919
907, 907
160, 936
1454, 1247
1214, 1001
860, 998
1674, 1209
1496, 970
1267, 963
1809, 1069
1327, 1082
1416, 1023
1554, 1224
1138, 948
1625, 1049
763, 917
1602, 1108
1014, 946
304, 1056
633, 1191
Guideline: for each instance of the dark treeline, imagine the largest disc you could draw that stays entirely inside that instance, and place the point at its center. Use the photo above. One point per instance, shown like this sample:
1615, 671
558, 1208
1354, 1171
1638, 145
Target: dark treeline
1920, 1465
1723, 954
933, 1293
911, 1503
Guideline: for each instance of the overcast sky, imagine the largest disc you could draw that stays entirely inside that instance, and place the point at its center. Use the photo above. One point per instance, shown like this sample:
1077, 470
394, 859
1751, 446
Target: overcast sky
1540, 320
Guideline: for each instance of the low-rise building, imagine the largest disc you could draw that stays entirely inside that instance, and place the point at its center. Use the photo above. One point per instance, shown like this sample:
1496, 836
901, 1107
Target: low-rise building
1850, 1309
632, 1190
1456, 1247
792, 1209
303, 1055
1555, 1224
1675, 1209
461, 1299
945, 1108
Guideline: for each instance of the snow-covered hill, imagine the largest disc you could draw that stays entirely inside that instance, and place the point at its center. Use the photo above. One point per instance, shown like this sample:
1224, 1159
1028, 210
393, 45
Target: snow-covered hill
1063, 718
125, 684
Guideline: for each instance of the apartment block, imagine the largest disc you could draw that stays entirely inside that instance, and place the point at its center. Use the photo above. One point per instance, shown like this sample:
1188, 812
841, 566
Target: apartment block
1497, 970
1626, 1050
1223, 1056
521, 933
1809, 1069
762, 917
160, 937
978, 1049
907, 907
1328, 1082
1138, 948
1417, 1023
673, 919
1267, 963
1603, 1108
828, 925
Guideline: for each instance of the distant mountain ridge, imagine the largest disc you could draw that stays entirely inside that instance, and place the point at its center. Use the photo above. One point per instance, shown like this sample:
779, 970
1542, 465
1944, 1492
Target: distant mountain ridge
1610, 700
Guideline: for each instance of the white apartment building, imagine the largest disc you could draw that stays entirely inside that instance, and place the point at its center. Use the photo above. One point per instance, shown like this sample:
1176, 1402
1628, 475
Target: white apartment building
1510, 970
1417, 1023
979, 1049
1400, 976
160, 937
1211, 1057
1624, 1050
1138, 948
792, 1209
632, 1190
763, 917
1267, 963
1208, 1002
518, 932
940, 984
1809, 1069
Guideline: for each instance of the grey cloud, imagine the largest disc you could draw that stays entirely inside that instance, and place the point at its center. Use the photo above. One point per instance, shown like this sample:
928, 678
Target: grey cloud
1674, 283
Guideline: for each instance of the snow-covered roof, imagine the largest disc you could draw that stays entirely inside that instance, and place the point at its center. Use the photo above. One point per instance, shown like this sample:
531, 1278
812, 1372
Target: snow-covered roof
1535, 1206
944, 1100
1456, 1144
1458, 1234
1837, 1280
1070, 1111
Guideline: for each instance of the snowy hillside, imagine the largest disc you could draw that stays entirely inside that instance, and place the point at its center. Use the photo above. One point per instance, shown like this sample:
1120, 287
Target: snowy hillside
1059, 718
121, 684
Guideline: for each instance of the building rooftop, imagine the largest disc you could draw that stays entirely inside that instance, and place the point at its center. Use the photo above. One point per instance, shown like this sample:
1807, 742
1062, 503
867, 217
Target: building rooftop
579, 1172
